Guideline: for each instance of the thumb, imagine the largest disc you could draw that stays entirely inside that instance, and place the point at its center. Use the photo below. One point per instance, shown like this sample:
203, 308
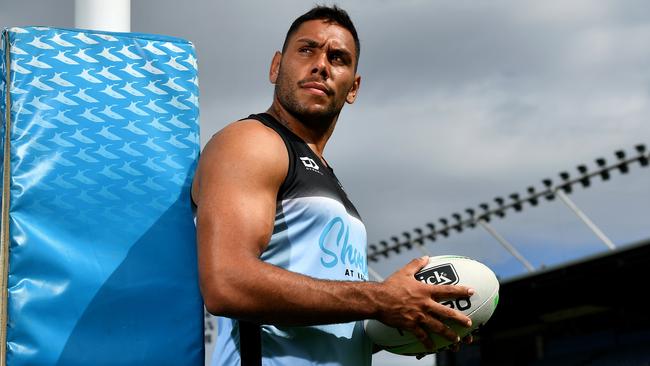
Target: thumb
415, 265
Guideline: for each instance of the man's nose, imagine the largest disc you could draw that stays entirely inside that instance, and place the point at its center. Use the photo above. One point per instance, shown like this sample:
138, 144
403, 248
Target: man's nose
321, 66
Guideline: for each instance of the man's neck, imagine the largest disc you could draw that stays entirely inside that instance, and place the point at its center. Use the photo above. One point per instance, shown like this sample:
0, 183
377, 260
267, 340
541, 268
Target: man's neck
316, 138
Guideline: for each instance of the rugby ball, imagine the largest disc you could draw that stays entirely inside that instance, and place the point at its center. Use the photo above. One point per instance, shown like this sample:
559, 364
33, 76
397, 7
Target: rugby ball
444, 270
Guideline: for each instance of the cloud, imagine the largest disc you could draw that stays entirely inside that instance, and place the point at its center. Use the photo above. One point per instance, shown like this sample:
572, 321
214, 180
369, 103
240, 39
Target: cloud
460, 101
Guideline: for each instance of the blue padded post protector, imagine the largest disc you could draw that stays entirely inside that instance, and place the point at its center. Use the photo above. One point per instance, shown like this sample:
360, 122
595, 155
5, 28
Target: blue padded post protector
102, 139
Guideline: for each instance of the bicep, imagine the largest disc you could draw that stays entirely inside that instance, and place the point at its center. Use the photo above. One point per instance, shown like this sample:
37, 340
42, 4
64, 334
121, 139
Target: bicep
241, 171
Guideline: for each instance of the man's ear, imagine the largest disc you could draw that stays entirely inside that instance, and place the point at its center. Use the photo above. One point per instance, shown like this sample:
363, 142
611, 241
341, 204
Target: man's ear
275, 67
352, 93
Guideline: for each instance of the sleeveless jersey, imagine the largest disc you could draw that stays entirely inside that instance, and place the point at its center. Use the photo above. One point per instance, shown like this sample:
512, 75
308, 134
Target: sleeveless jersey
317, 232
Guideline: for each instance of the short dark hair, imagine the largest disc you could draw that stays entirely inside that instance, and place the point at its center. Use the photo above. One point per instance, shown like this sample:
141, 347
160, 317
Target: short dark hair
332, 14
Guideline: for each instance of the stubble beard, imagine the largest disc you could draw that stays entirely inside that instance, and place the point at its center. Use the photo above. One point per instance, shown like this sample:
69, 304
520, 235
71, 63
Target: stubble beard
287, 90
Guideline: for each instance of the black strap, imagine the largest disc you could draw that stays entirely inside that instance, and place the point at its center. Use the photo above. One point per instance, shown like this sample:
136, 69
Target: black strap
287, 135
250, 344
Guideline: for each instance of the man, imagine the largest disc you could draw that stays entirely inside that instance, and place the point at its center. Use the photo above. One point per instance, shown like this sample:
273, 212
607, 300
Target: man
282, 251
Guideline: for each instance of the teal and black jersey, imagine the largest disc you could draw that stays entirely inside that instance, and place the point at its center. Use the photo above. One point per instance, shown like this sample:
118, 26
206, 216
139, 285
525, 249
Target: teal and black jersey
318, 233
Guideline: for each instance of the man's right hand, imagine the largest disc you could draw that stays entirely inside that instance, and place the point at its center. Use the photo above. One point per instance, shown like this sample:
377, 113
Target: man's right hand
413, 306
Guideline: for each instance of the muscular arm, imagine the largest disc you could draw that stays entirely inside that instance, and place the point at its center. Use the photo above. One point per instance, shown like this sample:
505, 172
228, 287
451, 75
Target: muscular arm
239, 175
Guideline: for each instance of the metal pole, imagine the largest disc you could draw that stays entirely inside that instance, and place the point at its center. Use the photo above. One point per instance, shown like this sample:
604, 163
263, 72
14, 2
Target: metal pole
423, 250
374, 274
6, 195
106, 15
506, 245
585, 219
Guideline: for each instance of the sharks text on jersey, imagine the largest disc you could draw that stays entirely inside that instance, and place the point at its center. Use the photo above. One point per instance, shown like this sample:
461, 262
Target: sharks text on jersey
337, 250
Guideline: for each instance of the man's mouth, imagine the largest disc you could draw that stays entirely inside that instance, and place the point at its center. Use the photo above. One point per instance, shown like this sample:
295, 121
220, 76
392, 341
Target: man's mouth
315, 88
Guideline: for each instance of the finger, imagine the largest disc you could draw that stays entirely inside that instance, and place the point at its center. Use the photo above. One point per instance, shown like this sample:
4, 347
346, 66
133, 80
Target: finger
441, 311
424, 338
415, 265
433, 325
454, 347
451, 291
468, 339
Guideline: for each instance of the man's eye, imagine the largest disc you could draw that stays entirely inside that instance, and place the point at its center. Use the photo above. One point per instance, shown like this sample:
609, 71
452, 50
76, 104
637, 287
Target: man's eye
304, 50
337, 59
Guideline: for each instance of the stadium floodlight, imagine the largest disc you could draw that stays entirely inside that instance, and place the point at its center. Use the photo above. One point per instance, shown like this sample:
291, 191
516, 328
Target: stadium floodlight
643, 158
472, 219
622, 166
396, 244
585, 176
420, 236
548, 183
486, 212
567, 184
373, 250
516, 202
408, 243
532, 196
445, 226
432, 231
550, 191
602, 164
384, 249
501, 211
459, 223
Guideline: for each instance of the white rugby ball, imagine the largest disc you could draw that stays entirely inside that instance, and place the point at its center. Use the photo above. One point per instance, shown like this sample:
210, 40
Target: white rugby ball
444, 270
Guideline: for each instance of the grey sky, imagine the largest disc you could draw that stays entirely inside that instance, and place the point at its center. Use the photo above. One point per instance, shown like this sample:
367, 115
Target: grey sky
460, 101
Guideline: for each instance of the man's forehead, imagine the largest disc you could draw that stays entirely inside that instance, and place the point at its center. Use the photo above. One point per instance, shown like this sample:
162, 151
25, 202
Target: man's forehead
321, 30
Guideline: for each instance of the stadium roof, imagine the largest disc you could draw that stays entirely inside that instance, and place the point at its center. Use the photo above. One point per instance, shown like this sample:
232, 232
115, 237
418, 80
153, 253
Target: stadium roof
593, 303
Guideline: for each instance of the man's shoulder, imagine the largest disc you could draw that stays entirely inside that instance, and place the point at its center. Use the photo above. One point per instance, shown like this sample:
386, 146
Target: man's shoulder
248, 128
246, 141
245, 148
246, 134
